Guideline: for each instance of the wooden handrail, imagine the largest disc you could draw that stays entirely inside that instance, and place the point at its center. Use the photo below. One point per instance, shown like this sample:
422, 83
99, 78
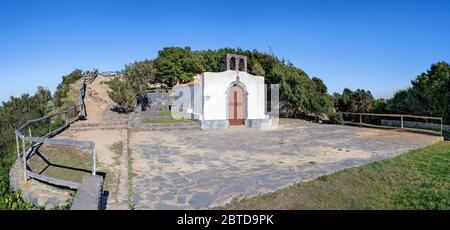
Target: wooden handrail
401, 116
34, 141
392, 115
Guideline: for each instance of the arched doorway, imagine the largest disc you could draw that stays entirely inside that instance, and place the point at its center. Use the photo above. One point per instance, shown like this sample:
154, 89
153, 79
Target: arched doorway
236, 105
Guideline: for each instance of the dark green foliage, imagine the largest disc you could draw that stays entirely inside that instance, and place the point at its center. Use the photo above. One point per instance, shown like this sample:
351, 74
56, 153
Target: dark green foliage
359, 101
178, 65
141, 74
298, 93
17, 111
429, 94
13, 114
123, 93
380, 106
63, 88
258, 70
15, 202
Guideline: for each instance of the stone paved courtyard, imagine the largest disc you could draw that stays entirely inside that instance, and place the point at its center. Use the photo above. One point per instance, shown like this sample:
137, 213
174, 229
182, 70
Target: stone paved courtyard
198, 169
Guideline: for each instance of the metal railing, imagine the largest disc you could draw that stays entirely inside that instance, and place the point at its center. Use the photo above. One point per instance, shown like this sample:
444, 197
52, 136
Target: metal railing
27, 144
360, 117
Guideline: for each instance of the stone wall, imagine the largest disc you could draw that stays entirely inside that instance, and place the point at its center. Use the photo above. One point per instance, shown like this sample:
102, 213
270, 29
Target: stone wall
415, 124
35, 192
159, 100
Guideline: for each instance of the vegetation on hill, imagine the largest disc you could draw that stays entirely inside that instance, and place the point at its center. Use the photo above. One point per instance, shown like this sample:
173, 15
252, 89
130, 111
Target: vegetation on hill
13, 114
140, 74
60, 97
123, 93
429, 95
415, 180
359, 101
16, 112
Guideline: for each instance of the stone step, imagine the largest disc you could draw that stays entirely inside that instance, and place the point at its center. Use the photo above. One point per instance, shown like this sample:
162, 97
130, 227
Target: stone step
102, 124
110, 127
163, 127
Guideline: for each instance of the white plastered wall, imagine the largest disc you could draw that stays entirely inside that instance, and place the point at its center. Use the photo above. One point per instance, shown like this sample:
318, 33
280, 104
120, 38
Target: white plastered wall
188, 101
215, 86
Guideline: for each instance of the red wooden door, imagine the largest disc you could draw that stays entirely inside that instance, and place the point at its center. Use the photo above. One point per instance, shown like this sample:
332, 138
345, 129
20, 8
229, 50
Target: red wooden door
236, 106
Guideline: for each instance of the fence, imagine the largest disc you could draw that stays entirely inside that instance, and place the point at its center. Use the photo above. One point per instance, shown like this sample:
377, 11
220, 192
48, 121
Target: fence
413, 123
27, 144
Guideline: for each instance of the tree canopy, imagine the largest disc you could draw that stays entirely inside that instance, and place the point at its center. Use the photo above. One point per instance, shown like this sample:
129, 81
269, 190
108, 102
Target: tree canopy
13, 114
429, 94
178, 65
60, 96
359, 101
141, 74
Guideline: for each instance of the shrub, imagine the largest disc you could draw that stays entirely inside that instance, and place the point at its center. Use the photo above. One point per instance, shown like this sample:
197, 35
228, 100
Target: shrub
15, 202
63, 88
123, 93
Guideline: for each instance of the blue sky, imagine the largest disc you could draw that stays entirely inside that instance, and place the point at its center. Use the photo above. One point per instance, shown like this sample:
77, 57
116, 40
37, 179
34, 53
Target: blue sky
375, 45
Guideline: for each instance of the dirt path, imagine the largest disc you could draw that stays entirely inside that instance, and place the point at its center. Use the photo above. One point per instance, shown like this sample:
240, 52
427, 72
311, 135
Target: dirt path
97, 100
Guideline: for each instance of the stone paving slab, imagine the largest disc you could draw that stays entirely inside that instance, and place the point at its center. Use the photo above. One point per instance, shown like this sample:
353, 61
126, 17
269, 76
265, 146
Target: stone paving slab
199, 169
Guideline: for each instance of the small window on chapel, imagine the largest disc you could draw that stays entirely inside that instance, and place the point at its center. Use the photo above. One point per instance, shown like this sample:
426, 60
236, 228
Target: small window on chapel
232, 63
235, 62
241, 64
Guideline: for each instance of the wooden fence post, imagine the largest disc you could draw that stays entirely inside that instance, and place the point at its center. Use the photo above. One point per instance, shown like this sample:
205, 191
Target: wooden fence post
360, 120
24, 159
18, 146
49, 125
401, 121
94, 159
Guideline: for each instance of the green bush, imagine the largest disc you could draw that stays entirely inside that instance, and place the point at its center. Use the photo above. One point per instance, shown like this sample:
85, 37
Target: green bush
60, 96
141, 74
123, 93
15, 202
13, 114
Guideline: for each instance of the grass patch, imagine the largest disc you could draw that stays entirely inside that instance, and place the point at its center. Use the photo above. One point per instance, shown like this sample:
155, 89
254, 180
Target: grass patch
418, 179
131, 175
165, 113
67, 163
112, 179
